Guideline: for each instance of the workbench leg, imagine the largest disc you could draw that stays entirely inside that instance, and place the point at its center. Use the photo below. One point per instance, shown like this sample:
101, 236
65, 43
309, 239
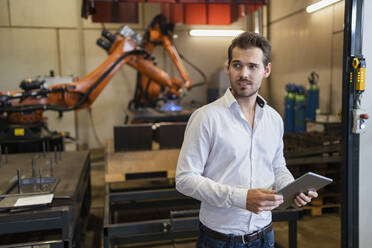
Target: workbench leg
106, 241
292, 233
68, 244
66, 231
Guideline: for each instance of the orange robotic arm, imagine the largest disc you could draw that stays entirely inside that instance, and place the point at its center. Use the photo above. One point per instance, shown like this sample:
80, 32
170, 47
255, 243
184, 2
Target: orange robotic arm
27, 105
160, 32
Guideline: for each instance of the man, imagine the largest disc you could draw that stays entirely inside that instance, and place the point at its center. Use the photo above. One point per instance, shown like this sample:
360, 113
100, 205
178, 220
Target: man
232, 155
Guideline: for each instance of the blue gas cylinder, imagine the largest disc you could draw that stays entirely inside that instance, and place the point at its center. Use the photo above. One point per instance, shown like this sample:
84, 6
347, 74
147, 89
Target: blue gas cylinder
289, 105
312, 97
300, 110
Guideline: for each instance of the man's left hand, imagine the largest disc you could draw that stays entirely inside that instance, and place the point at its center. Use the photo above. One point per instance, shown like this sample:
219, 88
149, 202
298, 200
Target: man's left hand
302, 199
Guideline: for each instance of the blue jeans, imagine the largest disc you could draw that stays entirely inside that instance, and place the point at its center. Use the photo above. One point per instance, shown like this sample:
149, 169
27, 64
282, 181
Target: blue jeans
204, 241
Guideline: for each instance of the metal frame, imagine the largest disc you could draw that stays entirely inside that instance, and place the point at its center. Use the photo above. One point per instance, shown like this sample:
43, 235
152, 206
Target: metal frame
48, 219
350, 147
49, 244
180, 224
67, 217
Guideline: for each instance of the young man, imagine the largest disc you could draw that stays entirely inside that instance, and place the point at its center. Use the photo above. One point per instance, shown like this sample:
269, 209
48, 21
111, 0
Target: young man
232, 155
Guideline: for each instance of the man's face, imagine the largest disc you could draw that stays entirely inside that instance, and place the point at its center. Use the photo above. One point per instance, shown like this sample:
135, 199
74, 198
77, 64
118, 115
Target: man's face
246, 71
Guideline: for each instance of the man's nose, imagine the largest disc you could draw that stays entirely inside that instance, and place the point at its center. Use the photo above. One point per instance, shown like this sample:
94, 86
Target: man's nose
245, 72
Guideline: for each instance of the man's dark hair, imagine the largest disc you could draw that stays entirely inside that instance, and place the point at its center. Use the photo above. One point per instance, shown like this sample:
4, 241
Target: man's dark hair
249, 39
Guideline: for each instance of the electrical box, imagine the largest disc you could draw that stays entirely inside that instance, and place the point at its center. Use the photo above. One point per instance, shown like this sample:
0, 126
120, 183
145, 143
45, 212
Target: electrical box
359, 123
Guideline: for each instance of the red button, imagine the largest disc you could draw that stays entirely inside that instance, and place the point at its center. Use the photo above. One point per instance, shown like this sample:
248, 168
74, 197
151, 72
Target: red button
364, 116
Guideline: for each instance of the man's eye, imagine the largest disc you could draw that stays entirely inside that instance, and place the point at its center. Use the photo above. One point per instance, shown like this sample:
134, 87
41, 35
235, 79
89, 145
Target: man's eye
237, 66
252, 66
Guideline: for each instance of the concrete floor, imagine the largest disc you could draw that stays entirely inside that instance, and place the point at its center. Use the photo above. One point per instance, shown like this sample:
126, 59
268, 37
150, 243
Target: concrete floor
321, 231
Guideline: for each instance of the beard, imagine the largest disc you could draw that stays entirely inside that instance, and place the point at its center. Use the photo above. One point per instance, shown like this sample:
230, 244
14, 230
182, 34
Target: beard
247, 95
243, 93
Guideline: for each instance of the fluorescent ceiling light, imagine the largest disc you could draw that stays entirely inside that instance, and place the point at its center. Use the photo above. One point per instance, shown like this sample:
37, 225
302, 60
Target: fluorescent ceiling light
216, 32
320, 5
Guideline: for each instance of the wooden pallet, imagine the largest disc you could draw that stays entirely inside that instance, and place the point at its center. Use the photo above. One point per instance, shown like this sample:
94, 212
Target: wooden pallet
325, 198
318, 210
118, 165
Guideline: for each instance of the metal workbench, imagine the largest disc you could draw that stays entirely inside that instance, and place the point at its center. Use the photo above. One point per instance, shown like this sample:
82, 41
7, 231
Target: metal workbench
166, 215
68, 211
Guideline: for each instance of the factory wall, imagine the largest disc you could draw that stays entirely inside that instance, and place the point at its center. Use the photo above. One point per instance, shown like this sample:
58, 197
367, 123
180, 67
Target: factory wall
303, 43
43, 35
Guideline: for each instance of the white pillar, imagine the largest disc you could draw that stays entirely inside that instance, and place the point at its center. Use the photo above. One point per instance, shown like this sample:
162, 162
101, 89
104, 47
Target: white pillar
365, 171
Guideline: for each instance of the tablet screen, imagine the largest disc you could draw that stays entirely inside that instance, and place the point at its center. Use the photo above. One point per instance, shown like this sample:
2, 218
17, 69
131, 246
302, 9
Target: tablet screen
308, 181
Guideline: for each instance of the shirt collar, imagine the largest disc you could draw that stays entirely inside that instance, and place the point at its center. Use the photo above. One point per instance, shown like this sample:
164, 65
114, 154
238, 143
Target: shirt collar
230, 99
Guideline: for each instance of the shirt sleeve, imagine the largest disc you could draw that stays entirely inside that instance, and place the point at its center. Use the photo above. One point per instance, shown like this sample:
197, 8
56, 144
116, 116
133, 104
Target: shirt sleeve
282, 175
191, 163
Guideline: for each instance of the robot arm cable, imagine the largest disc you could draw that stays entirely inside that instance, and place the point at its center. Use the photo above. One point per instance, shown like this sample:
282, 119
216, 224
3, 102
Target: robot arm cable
194, 67
81, 100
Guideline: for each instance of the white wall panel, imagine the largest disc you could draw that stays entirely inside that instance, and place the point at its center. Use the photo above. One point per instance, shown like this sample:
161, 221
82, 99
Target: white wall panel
88, 23
26, 53
43, 13
69, 52
4, 13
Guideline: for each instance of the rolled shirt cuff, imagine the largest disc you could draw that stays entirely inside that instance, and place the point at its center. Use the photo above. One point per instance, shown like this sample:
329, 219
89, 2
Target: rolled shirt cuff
239, 198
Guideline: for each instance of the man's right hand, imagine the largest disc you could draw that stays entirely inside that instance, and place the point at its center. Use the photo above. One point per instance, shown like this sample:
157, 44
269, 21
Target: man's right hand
259, 200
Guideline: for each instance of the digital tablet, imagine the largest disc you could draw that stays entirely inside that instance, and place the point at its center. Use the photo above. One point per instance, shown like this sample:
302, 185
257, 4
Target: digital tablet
308, 181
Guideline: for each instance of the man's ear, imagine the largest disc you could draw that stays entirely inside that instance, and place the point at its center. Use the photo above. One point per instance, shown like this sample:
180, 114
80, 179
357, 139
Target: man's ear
267, 70
227, 69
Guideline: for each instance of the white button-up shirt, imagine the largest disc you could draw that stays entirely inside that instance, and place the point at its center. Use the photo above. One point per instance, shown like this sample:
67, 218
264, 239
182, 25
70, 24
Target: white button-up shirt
222, 157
